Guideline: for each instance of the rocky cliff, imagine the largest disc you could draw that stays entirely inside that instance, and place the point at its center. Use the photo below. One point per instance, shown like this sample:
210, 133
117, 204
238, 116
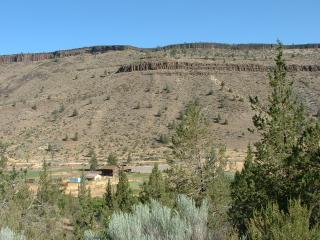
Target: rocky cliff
30, 57
146, 66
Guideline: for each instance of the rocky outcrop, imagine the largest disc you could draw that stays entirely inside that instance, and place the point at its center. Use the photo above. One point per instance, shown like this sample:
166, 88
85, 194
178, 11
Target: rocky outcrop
239, 46
147, 66
30, 57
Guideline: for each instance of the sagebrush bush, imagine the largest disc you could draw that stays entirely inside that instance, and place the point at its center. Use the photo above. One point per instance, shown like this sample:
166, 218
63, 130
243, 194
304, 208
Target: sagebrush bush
7, 234
155, 221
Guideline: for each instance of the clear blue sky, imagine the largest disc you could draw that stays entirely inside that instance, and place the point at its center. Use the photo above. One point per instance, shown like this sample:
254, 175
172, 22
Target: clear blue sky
46, 25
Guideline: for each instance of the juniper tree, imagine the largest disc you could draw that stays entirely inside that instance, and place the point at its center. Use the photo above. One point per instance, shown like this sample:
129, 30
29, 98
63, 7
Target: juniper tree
190, 147
84, 215
155, 187
108, 196
271, 223
282, 165
93, 160
112, 159
123, 196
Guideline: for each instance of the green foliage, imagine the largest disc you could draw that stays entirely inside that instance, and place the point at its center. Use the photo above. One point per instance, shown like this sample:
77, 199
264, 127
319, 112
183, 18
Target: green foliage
3, 157
84, 215
108, 196
189, 138
7, 234
154, 221
155, 188
164, 139
49, 191
123, 196
93, 160
286, 162
112, 159
273, 224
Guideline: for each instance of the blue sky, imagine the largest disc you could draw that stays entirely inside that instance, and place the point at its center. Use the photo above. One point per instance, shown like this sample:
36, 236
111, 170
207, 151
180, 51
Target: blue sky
46, 25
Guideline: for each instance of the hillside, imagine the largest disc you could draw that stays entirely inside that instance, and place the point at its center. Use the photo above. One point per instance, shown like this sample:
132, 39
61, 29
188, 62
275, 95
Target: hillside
122, 99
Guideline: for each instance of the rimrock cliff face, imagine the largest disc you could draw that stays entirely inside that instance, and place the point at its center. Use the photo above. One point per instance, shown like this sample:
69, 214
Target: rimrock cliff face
146, 66
30, 57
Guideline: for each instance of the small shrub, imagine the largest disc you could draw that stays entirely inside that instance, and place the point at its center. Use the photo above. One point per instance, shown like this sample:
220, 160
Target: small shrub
219, 118
155, 221
137, 106
149, 105
210, 92
158, 114
74, 113
164, 139
7, 234
34, 107
75, 137
65, 138
167, 88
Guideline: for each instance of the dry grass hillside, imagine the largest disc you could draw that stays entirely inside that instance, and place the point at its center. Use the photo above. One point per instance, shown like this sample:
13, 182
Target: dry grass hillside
127, 101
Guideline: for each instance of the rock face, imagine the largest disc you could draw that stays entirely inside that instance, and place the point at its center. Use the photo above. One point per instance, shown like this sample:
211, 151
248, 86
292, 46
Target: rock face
147, 66
30, 57
59, 54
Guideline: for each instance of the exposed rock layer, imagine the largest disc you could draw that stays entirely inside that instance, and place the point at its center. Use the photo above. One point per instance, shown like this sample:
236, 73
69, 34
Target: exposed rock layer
30, 57
146, 66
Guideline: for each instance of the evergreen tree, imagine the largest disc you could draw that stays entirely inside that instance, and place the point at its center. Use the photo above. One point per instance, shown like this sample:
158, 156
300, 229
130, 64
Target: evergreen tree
155, 187
190, 148
112, 159
277, 171
93, 160
49, 191
108, 196
123, 196
84, 216
271, 223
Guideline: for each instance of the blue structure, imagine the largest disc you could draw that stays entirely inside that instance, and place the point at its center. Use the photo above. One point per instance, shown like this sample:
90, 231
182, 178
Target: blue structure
75, 180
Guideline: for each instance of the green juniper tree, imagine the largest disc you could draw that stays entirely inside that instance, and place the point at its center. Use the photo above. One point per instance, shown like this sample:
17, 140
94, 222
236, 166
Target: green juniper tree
108, 196
155, 187
282, 166
93, 160
271, 223
112, 159
84, 215
123, 196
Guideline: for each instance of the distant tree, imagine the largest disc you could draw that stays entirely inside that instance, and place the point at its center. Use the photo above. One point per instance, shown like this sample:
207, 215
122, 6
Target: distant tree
49, 191
108, 196
112, 159
93, 160
123, 196
154, 188
84, 215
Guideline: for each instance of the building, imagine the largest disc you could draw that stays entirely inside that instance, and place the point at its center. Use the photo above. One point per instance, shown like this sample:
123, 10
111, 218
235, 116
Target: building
93, 177
113, 170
